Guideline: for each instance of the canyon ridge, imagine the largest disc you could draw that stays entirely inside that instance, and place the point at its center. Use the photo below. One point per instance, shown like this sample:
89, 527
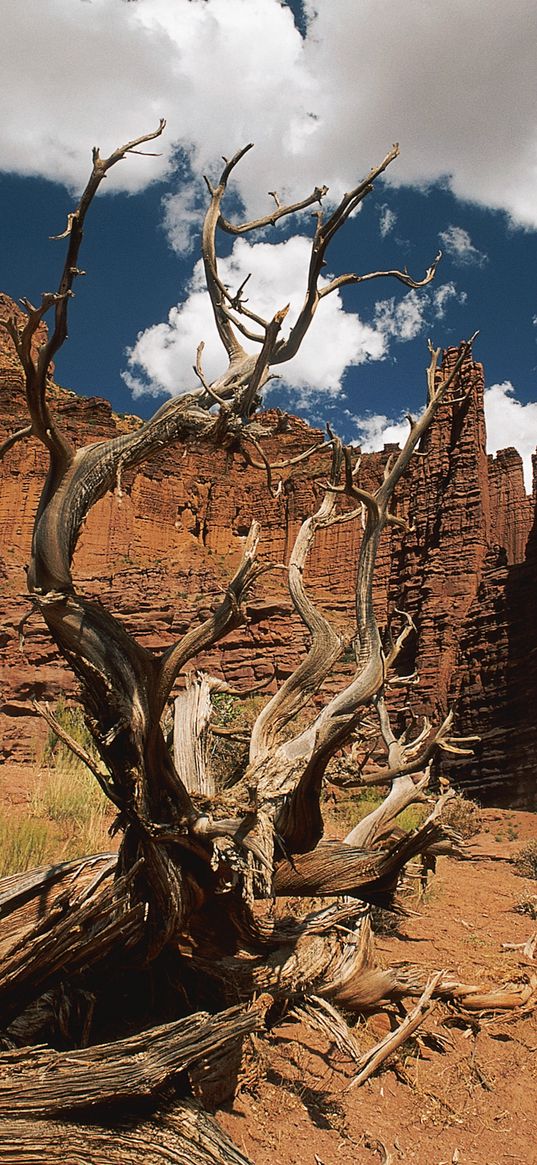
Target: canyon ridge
160, 550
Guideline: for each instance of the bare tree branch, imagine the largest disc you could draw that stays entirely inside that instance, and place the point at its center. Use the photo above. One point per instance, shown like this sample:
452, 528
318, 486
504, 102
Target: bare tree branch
402, 276
404, 791
228, 614
271, 219
27, 431
326, 645
340, 717
377, 1055
323, 236
36, 371
248, 397
208, 249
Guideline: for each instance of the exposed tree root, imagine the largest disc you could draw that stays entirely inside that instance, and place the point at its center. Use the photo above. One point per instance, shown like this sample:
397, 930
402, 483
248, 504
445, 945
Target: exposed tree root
42, 1083
84, 927
182, 1134
28, 899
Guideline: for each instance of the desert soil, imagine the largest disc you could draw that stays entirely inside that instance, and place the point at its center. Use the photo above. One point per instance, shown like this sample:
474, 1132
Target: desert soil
475, 1103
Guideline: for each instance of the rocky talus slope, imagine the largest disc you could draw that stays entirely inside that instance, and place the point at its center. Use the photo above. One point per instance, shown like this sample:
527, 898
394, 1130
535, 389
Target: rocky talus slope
160, 554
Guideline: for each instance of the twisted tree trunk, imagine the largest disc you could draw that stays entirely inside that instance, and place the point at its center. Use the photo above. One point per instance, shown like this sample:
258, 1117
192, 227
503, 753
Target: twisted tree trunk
182, 901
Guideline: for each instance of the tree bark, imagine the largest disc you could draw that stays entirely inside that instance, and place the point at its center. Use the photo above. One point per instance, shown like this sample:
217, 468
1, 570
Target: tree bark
194, 859
181, 1135
44, 1083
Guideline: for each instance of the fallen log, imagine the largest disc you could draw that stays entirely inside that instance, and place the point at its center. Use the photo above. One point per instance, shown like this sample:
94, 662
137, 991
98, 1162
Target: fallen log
27, 898
42, 1082
184, 1135
104, 924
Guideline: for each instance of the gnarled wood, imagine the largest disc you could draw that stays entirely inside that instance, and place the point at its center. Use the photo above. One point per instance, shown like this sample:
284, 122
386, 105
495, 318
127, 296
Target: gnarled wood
42, 1082
181, 1135
192, 715
194, 858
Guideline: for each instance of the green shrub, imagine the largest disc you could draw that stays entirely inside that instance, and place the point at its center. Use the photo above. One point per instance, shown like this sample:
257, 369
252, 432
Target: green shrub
227, 709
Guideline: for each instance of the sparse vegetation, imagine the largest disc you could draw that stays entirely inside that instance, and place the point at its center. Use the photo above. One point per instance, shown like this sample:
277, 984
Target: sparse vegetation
72, 719
525, 862
463, 815
229, 754
348, 812
24, 843
67, 792
68, 815
527, 905
68, 805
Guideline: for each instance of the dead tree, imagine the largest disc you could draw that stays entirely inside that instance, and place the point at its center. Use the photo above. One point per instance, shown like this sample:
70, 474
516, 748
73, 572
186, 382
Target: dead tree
181, 904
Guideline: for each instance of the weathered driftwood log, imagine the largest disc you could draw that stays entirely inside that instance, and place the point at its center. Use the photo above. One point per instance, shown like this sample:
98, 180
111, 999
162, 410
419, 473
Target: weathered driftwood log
335, 867
28, 899
82, 929
183, 1134
43, 1082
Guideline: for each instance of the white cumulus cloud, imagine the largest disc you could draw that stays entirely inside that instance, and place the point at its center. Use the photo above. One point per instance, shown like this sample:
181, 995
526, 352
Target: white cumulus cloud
510, 422
163, 355
322, 107
404, 319
387, 220
440, 79
377, 430
442, 296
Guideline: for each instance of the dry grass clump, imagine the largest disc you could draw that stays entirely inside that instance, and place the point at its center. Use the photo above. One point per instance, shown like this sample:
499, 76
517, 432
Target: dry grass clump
70, 803
67, 794
525, 861
24, 843
67, 816
528, 906
463, 815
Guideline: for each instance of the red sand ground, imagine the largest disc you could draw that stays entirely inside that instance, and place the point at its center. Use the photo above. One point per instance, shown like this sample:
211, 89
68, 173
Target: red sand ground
474, 1104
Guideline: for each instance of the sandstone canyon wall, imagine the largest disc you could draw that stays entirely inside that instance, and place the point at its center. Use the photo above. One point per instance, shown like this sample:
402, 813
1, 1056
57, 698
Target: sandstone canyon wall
160, 554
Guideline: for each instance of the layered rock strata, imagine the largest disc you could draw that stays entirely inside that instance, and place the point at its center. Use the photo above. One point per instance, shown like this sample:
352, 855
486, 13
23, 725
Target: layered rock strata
159, 555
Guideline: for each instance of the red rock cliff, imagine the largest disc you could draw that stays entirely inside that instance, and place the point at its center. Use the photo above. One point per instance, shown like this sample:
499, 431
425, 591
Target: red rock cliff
159, 555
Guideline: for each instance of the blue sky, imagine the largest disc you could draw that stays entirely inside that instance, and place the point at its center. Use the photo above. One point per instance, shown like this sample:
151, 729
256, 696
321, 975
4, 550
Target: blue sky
454, 83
